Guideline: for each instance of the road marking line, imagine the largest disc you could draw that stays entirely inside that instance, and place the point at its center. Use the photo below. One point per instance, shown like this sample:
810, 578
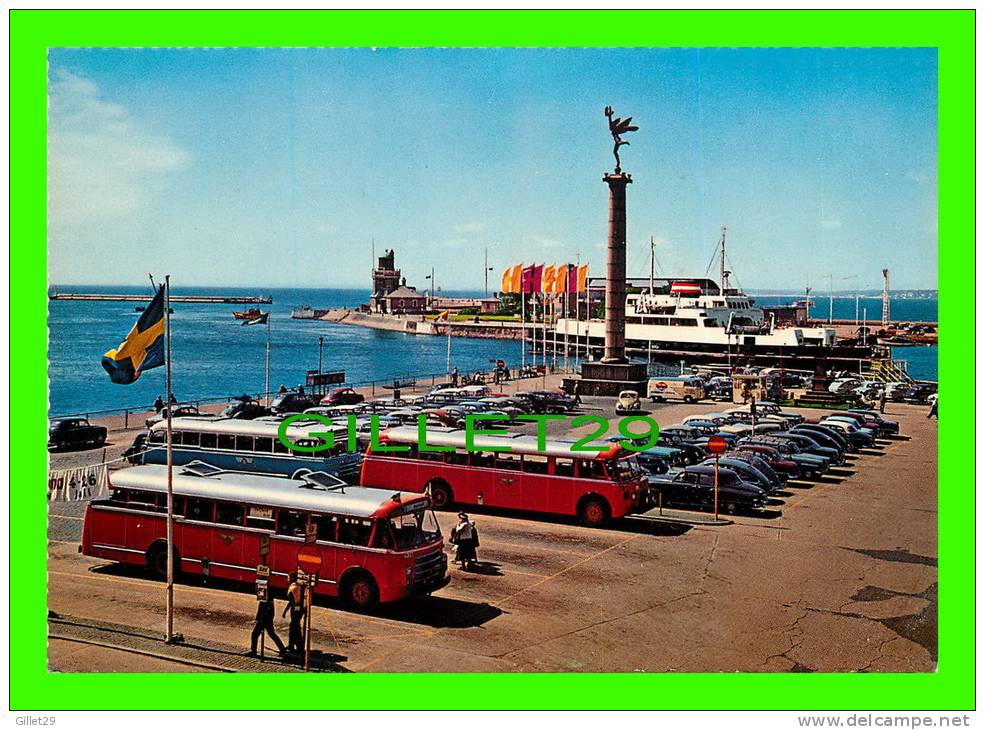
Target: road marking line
66, 517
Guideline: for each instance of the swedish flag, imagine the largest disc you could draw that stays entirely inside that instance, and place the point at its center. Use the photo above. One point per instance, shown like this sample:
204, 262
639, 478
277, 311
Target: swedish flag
143, 348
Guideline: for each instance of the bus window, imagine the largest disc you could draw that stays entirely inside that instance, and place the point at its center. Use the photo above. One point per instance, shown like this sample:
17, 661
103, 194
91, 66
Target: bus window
506, 460
591, 469
228, 513
564, 467
327, 527
208, 441
190, 438
459, 457
142, 500
260, 517
279, 447
156, 437
244, 443
264, 445
354, 531
623, 469
484, 460
534, 464
227, 442
432, 455
291, 523
199, 509
409, 530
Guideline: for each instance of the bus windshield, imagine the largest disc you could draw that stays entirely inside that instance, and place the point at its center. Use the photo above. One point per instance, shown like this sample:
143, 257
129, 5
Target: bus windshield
624, 469
414, 527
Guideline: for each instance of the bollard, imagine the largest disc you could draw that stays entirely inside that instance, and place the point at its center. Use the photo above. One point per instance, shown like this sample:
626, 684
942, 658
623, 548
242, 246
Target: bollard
126, 419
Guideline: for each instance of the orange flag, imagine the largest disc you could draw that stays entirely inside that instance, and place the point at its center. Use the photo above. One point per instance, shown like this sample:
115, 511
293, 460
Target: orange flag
547, 279
516, 276
560, 279
583, 278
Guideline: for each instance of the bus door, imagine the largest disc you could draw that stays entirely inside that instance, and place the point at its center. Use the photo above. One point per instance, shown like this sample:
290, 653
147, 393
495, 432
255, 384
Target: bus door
141, 528
227, 540
353, 533
508, 482
536, 483
195, 536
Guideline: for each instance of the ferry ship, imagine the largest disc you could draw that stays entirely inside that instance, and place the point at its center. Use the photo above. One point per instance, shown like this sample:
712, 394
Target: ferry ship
700, 320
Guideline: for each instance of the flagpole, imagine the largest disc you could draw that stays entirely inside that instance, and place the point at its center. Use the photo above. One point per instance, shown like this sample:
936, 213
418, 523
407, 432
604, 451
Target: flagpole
523, 325
448, 355
169, 609
266, 370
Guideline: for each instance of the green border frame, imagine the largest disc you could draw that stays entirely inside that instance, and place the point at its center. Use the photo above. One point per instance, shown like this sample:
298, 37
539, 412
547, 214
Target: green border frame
951, 32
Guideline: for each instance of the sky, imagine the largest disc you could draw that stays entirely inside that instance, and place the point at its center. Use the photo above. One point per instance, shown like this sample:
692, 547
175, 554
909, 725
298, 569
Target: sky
284, 167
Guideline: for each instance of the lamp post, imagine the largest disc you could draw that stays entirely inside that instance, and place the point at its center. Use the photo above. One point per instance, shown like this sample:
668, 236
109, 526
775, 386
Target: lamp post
321, 347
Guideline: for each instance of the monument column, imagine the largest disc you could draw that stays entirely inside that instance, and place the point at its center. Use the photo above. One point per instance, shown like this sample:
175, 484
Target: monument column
615, 275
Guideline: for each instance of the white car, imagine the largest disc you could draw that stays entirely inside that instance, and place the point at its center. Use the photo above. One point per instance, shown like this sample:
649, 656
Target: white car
628, 402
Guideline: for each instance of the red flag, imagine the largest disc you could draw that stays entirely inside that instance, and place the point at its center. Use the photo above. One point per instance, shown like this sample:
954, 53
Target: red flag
572, 279
527, 280
537, 279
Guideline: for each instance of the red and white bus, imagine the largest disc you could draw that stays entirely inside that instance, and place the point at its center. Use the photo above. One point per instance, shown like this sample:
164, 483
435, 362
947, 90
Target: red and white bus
594, 485
376, 545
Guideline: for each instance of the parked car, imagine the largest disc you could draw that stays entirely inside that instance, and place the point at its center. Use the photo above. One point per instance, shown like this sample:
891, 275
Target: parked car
885, 426
694, 487
64, 433
628, 402
342, 397
178, 411
244, 408
292, 402
745, 470
919, 394
826, 435
860, 437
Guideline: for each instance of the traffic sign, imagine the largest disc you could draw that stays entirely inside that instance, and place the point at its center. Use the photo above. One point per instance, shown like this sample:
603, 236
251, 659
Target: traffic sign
263, 571
717, 445
264, 545
309, 559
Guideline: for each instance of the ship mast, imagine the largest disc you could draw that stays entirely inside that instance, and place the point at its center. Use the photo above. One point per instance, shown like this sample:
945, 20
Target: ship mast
723, 274
885, 298
652, 258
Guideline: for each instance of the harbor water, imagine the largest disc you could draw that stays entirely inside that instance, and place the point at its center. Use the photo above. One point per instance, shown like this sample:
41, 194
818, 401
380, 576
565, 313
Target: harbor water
215, 355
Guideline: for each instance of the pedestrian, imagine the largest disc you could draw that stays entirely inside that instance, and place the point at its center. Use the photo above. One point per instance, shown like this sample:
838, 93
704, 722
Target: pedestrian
282, 389
158, 404
454, 378
295, 604
933, 408
576, 392
265, 622
172, 400
882, 401
465, 537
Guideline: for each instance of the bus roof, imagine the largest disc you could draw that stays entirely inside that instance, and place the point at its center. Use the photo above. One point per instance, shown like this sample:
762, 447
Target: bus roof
267, 491
517, 443
241, 427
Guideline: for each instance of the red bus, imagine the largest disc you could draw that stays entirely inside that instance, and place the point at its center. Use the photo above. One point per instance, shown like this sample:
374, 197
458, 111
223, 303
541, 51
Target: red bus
376, 545
594, 485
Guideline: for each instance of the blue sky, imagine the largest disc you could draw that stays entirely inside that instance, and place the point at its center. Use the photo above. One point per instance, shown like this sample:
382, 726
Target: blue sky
267, 167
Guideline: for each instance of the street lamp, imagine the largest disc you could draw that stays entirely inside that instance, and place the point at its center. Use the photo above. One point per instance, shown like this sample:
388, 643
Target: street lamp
321, 347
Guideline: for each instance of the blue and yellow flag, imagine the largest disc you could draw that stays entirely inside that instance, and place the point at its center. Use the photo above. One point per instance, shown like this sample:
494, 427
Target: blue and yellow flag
143, 348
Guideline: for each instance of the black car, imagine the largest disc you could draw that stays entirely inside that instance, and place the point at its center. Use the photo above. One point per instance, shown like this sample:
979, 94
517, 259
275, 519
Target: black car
694, 487
746, 471
284, 403
244, 408
64, 433
178, 411
811, 446
546, 402
919, 394
825, 434
885, 426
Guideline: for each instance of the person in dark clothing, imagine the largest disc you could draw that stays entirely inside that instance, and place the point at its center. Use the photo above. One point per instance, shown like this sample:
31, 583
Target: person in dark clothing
265, 622
882, 401
295, 604
576, 391
282, 389
158, 404
465, 537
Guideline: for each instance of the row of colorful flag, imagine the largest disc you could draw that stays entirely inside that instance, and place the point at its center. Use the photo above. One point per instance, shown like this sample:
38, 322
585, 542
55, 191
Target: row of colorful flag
546, 279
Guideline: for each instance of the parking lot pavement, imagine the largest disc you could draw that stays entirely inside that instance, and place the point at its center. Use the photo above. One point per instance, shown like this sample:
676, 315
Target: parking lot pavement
841, 576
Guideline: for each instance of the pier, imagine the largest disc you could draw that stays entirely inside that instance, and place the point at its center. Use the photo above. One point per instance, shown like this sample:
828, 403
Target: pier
189, 299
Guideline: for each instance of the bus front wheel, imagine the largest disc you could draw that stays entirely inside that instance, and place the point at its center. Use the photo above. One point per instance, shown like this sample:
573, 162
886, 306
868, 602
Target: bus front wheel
688, 399
593, 511
360, 592
440, 494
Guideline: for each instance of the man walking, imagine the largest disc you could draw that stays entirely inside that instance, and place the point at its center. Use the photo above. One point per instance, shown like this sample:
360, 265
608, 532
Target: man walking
265, 622
882, 400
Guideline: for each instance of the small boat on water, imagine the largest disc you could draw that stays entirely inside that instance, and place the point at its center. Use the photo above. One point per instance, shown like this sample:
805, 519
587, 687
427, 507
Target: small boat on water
251, 313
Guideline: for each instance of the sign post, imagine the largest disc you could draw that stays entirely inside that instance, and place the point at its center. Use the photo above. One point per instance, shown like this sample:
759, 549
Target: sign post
309, 563
716, 445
